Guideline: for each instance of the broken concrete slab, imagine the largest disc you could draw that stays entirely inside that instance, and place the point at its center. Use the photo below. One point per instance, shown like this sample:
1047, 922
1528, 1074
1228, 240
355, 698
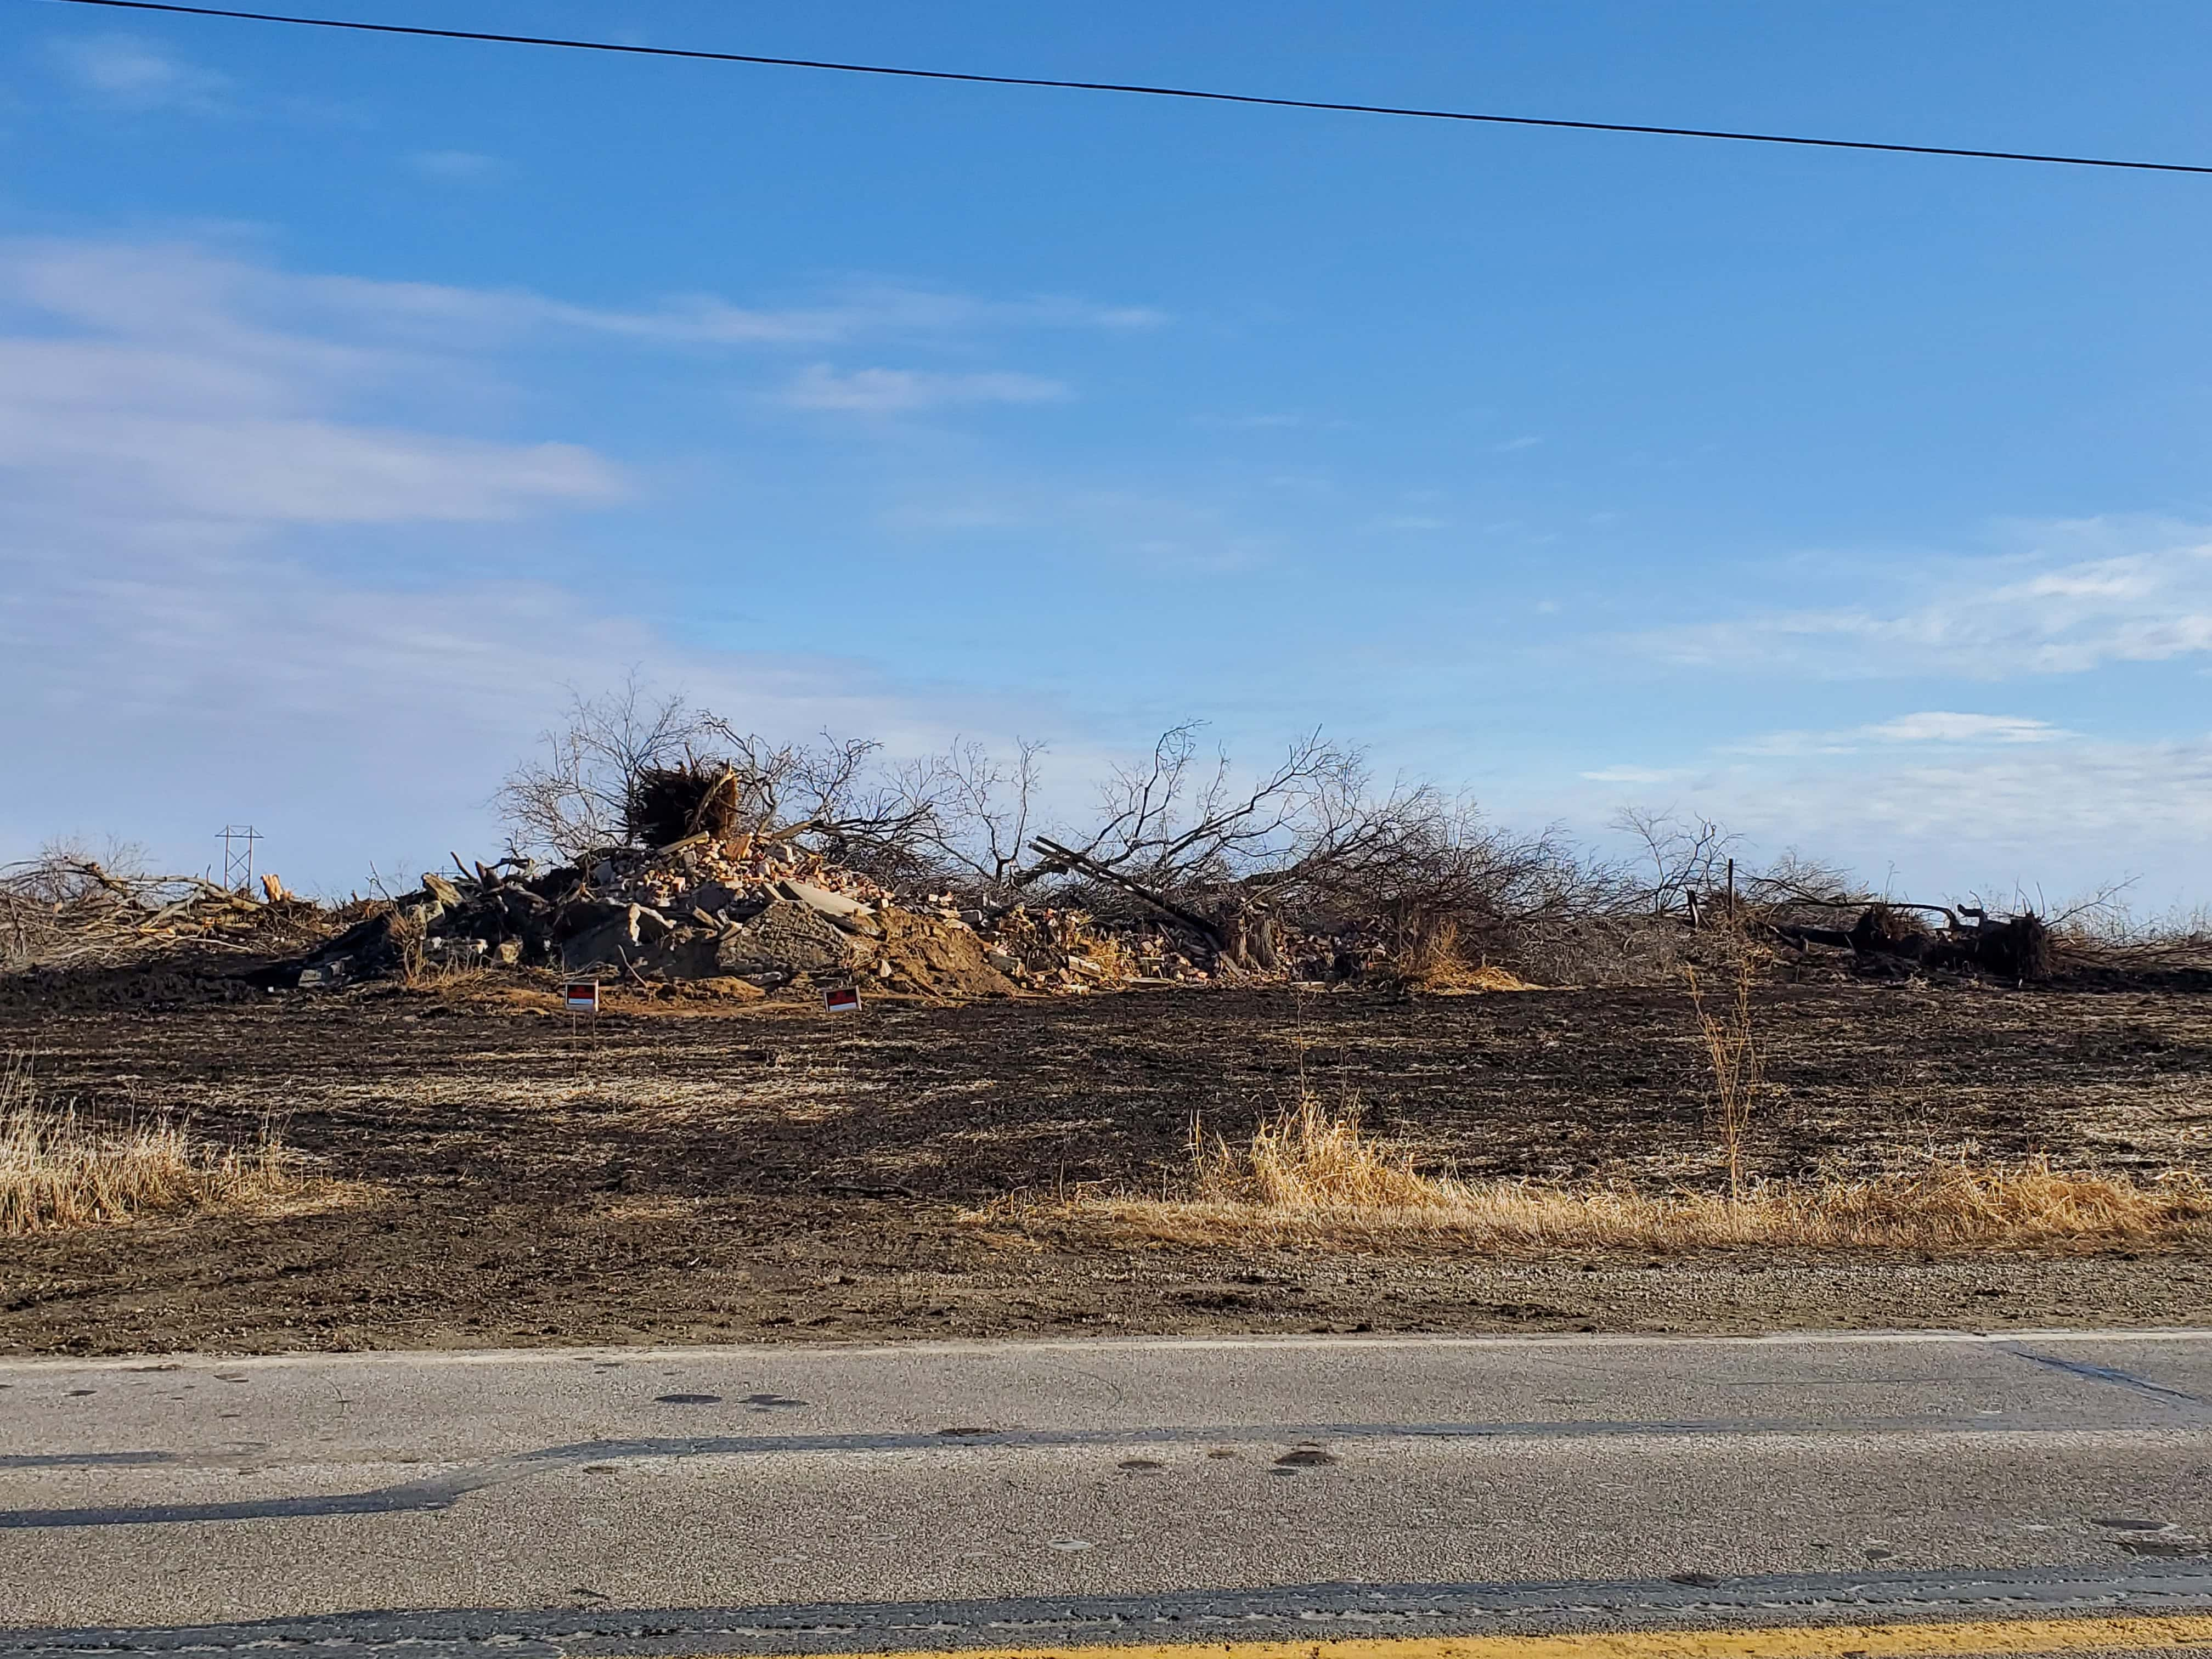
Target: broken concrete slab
851, 913
612, 944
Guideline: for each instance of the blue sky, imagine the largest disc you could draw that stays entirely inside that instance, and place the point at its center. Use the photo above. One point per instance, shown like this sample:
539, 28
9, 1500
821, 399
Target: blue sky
358, 394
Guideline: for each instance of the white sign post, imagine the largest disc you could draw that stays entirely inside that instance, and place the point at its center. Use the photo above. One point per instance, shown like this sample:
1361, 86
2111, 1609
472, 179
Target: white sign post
582, 997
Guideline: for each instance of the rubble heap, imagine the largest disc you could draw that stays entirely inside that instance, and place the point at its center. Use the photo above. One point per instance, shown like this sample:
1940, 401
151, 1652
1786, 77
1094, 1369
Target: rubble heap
755, 912
1066, 951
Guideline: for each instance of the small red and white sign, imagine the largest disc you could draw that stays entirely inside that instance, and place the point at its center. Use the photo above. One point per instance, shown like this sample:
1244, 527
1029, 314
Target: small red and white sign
841, 999
582, 997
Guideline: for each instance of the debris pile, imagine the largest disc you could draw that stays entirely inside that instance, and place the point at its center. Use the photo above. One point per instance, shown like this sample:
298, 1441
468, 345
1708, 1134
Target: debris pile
1890, 937
754, 914
76, 913
1064, 949
1054, 949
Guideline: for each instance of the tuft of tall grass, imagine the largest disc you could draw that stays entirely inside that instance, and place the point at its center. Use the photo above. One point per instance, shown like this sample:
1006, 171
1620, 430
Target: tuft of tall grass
1314, 1175
57, 1170
1434, 961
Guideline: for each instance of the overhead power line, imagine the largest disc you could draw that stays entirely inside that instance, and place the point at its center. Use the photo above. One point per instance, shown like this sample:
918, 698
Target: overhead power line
1192, 92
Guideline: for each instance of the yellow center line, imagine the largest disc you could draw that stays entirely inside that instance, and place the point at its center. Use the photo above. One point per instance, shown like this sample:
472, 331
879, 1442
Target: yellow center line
2008, 1636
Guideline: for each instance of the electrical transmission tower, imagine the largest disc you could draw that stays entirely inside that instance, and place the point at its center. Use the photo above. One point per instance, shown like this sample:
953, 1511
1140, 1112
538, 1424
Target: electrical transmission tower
238, 841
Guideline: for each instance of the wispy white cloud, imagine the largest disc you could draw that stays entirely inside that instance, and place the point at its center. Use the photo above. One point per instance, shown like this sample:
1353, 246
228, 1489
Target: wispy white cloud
150, 391
1929, 727
127, 72
169, 422
1955, 801
1513, 446
1187, 535
127, 287
904, 391
859, 311
2080, 595
2071, 814
219, 384
302, 472
1937, 726
390, 710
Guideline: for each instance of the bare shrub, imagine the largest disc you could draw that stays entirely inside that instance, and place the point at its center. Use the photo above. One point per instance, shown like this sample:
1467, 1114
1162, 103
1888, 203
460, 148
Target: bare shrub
1314, 846
1600, 950
577, 796
65, 907
2103, 933
1181, 820
1424, 868
1683, 859
629, 768
62, 892
984, 810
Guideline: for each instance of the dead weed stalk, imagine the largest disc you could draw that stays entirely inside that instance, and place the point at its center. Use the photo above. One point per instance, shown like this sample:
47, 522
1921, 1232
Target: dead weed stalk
1732, 1054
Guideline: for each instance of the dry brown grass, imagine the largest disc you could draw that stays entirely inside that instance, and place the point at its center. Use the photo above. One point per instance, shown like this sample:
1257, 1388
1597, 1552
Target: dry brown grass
1312, 1176
1436, 962
58, 1170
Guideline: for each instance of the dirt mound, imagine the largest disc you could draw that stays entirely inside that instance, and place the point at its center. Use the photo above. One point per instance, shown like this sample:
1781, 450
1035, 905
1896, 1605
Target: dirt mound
929, 953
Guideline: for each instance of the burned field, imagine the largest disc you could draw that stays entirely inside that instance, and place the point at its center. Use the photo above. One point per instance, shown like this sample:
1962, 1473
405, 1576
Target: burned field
482, 1173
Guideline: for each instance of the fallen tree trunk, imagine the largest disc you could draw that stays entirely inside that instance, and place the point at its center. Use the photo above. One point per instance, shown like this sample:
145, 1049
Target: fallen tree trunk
1068, 858
1835, 937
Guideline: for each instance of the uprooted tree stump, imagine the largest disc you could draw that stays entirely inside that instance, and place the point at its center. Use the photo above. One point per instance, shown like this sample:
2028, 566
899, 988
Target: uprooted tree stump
667, 804
2019, 948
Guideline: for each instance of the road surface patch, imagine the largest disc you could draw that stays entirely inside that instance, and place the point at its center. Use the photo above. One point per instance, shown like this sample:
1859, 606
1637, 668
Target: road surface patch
2010, 1635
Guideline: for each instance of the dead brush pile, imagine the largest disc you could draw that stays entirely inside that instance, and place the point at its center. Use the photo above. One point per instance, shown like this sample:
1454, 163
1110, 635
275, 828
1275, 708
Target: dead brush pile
1314, 1176
63, 910
58, 1170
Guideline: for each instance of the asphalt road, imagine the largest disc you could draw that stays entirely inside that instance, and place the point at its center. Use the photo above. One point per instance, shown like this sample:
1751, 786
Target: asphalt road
788, 1500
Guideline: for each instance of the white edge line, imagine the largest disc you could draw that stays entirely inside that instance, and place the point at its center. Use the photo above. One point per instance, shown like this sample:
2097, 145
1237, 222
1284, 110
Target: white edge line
1015, 1350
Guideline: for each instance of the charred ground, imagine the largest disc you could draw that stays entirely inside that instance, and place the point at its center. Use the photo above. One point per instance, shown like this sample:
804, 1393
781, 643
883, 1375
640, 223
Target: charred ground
699, 1173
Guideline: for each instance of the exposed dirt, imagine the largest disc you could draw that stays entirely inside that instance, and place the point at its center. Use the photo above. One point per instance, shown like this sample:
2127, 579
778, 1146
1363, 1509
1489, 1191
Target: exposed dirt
701, 1171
